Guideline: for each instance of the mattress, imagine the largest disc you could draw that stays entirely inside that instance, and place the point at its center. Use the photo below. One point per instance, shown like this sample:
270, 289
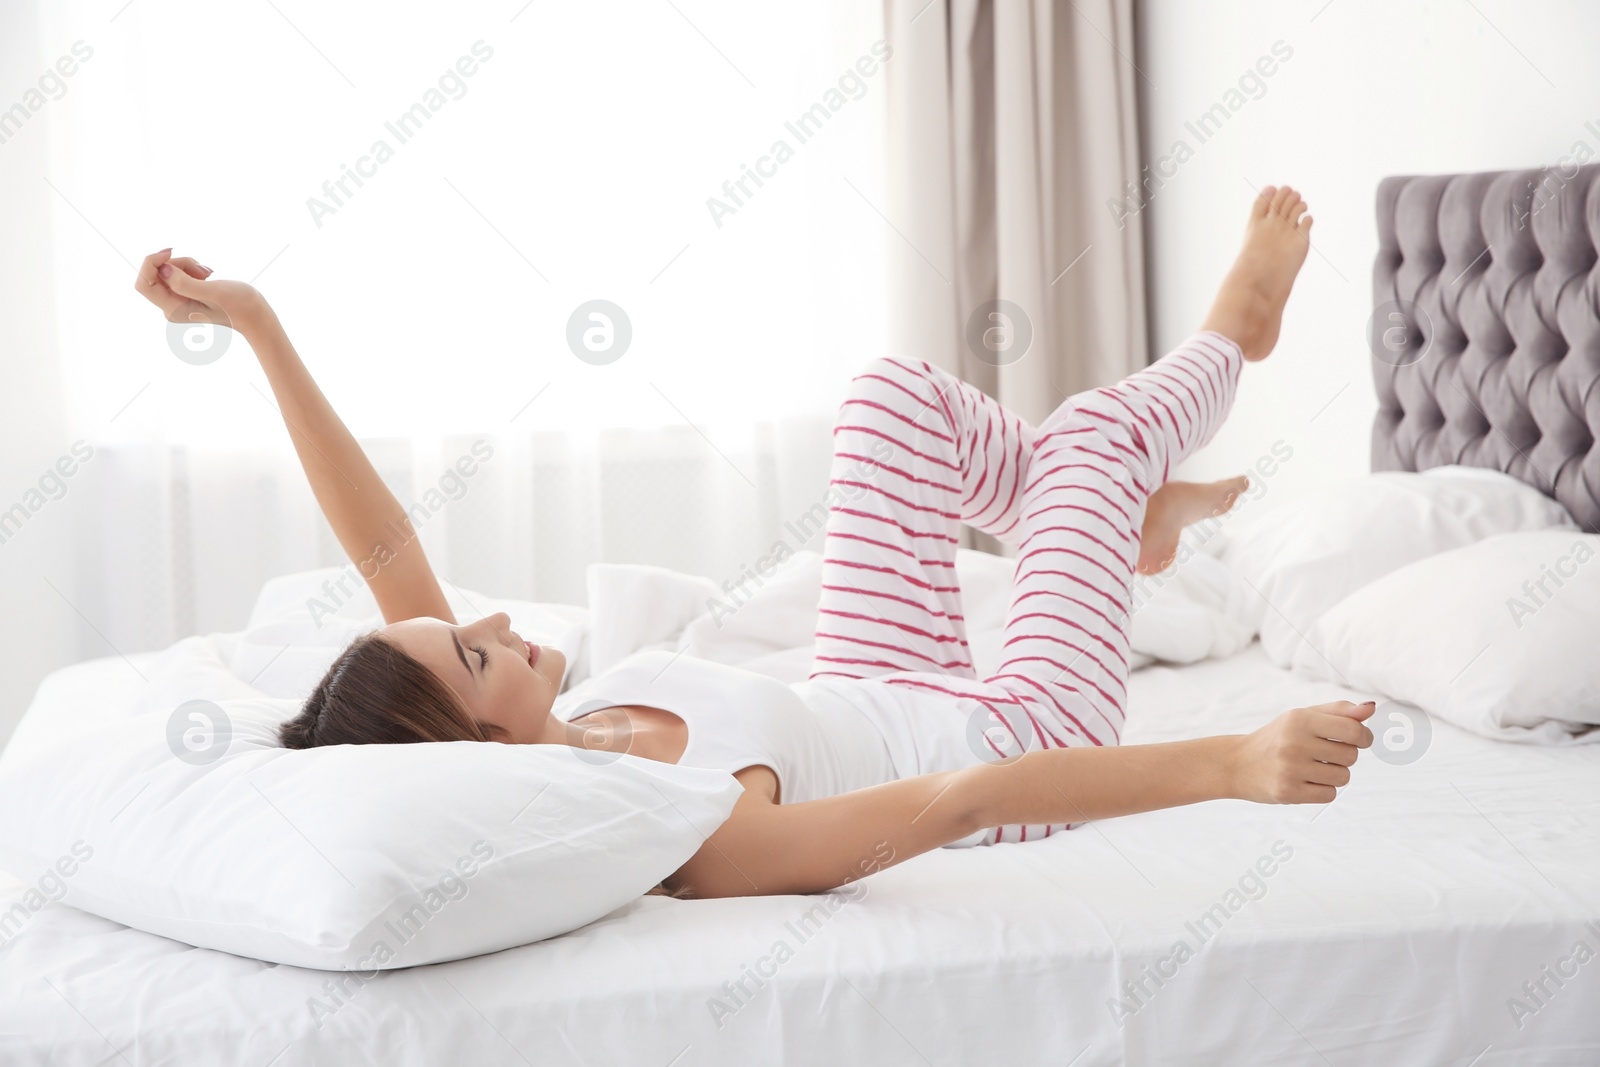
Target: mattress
1444, 911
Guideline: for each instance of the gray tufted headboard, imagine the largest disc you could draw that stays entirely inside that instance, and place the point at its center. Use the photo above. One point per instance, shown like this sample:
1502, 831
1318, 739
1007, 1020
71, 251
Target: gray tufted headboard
1486, 328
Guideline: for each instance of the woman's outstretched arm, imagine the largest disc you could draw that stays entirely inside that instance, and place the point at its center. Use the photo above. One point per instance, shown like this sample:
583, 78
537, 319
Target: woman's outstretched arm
369, 522
1301, 757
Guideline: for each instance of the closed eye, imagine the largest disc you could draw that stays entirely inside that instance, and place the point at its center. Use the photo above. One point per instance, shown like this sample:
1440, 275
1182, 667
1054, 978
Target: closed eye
483, 656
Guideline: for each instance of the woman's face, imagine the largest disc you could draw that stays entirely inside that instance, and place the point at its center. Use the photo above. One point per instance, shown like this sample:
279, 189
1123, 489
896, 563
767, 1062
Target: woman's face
506, 684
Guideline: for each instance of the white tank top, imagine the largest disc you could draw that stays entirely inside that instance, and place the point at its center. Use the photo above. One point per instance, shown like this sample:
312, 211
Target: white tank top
738, 719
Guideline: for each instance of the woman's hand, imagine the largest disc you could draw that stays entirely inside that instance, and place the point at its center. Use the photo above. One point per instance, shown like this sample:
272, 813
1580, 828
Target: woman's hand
185, 292
1302, 756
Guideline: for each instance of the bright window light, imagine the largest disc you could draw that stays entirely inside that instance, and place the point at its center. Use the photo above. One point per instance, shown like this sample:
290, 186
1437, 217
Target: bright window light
426, 199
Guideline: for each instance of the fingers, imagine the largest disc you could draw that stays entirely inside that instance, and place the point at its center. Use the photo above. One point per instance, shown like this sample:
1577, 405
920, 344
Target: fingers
147, 277
1333, 774
183, 282
147, 269
190, 267
1341, 729
1359, 712
149, 285
1315, 793
1334, 752
1317, 747
154, 280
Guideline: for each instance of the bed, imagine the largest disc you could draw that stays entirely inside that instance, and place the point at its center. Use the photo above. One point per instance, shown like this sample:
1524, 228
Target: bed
1441, 911
1395, 926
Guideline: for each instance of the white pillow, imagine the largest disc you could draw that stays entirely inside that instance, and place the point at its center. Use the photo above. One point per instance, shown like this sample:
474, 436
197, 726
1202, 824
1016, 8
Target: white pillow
1303, 558
361, 857
1192, 611
300, 622
1497, 637
764, 619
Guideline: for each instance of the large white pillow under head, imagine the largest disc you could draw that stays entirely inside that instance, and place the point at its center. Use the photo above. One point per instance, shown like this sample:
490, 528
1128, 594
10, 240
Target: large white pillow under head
178, 814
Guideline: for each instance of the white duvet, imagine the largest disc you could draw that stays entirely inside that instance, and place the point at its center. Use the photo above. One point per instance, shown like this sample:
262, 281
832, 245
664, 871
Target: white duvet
1413, 921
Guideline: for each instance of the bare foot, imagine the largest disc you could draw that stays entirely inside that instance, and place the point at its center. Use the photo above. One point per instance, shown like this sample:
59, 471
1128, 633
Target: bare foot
1249, 306
1176, 505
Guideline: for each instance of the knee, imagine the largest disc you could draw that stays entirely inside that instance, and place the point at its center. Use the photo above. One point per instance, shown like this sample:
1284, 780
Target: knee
1102, 422
884, 374
1102, 408
907, 387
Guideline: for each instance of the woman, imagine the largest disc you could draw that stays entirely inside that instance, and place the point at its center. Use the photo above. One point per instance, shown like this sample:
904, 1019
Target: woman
894, 746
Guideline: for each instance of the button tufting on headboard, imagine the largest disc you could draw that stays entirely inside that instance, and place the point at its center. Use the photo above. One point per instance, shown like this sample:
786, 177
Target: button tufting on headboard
1486, 328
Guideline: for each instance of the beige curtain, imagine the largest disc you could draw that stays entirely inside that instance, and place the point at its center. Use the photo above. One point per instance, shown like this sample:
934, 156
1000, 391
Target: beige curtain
1013, 132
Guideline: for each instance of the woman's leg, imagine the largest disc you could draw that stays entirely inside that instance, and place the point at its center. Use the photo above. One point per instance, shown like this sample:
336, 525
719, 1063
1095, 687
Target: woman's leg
917, 452
1063, 677
1098, 459
1078, 521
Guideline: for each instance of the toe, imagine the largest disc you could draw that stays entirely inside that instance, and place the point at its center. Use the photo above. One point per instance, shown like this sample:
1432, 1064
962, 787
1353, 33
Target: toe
1305, 226
1263, 202
1282, 199
1152, 565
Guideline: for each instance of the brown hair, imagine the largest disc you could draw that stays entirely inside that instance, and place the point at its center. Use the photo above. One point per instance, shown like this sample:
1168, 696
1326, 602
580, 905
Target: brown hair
378, 694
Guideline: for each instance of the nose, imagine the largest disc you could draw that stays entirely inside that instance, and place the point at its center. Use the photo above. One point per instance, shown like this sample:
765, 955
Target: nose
500, 624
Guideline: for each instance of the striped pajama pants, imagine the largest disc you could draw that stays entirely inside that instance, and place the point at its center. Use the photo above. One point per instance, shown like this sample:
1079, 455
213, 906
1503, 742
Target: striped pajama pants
917, 452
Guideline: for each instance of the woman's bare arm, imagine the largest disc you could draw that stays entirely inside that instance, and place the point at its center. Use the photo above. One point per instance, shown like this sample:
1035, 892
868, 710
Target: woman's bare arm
369, 522
1301, 757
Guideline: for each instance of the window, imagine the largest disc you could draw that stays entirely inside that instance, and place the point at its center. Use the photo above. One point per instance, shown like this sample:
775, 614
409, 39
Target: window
427, 194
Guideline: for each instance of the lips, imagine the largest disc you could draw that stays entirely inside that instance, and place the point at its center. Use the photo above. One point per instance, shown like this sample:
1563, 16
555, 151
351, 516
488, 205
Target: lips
530, 652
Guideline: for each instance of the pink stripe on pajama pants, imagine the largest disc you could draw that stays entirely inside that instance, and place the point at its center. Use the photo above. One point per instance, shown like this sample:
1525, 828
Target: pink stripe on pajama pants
1069, 495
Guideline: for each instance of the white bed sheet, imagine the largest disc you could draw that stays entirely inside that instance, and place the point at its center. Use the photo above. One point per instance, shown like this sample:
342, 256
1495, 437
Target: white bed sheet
1409, 914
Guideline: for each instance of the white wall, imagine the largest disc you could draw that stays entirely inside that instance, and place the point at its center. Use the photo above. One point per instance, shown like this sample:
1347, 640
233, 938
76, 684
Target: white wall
1372, 88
